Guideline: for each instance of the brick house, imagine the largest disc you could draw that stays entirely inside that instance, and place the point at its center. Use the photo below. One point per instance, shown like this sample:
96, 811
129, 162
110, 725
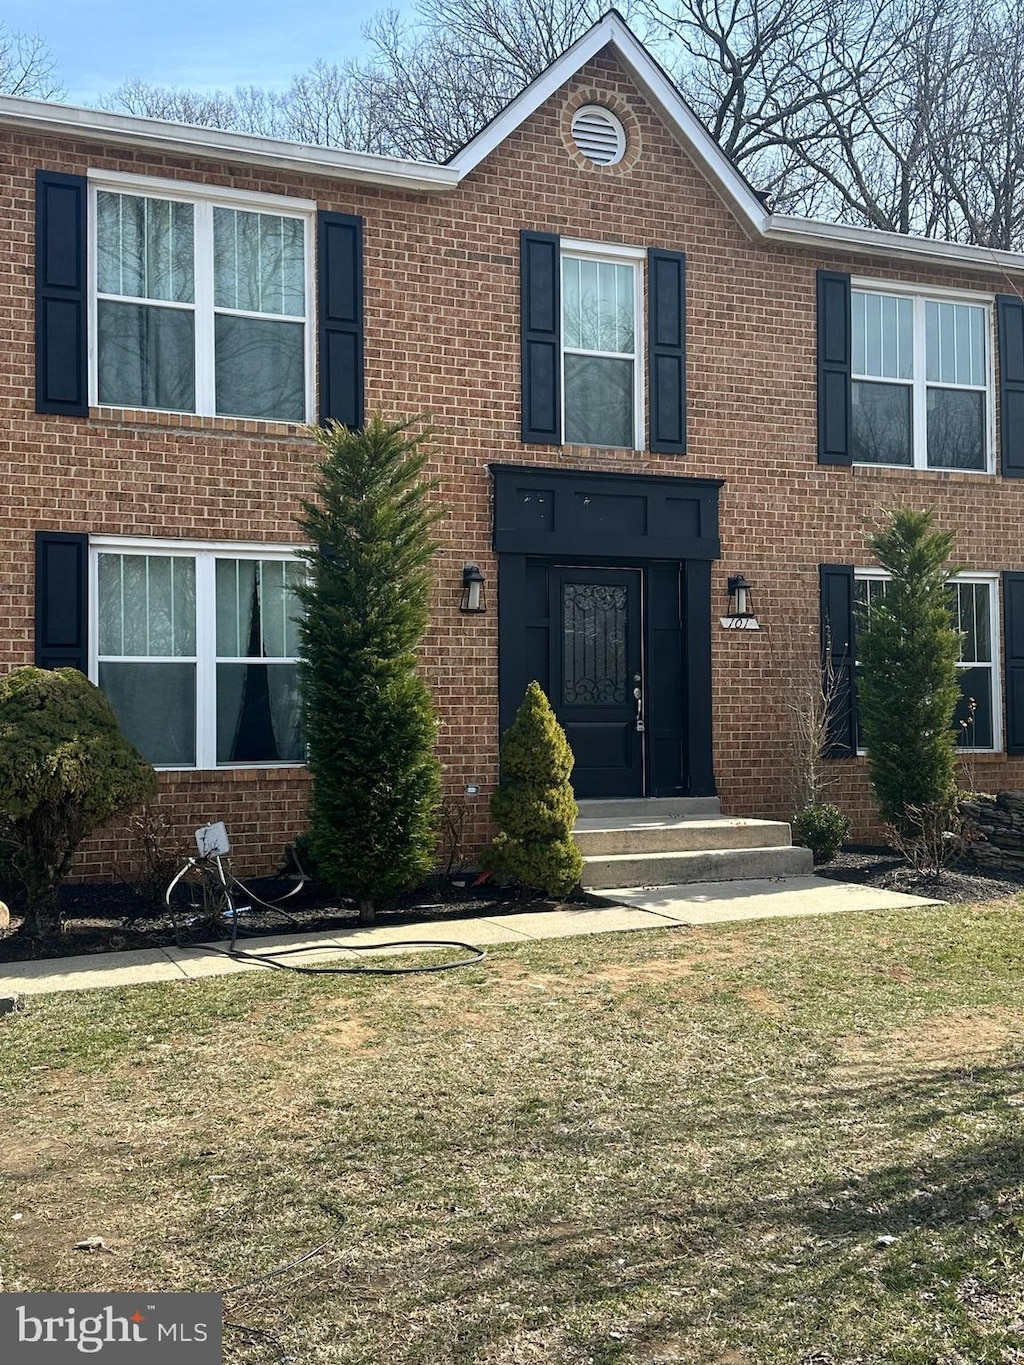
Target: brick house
646, 384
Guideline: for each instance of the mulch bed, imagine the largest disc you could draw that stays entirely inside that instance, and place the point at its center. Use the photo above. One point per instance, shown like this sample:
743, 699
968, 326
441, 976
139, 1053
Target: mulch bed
883, 868
113, 917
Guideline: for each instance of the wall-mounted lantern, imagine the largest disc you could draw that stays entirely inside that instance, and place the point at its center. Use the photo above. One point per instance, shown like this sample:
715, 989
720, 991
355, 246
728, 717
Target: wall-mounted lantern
741, 607
739, 596
472, 589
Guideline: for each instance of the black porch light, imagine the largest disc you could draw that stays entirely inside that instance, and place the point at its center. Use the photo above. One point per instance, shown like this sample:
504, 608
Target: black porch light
739, 596
472, 589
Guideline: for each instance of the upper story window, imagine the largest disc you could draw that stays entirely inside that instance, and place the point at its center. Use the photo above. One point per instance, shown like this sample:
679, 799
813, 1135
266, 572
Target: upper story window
921, 381
201, 306
602, 380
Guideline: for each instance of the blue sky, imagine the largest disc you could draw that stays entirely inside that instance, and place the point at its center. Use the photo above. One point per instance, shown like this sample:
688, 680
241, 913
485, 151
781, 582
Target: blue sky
203, 43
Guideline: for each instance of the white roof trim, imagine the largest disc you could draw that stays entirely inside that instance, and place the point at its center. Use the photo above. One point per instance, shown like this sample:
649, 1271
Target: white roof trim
425, 176
681, 120
786, 229
188, 140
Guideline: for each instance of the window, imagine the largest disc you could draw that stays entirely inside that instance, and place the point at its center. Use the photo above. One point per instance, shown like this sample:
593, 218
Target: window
196, 650
921, 381
602, 392
201, 306
973, 606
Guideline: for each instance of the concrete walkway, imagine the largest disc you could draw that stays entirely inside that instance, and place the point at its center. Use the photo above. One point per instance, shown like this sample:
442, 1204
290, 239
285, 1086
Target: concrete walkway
636, 908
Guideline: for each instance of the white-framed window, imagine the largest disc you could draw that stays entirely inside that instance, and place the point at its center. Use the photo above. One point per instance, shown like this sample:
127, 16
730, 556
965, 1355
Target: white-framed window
196, 649
975, 611
922, 378
602, 345
201, 300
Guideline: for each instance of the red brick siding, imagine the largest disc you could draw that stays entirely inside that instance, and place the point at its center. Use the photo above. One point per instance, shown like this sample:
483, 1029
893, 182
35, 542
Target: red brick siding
442, 338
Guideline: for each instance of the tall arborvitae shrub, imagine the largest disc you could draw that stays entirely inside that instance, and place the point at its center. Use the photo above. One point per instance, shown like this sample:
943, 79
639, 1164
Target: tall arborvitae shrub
534, 806
65, 769
370, 722
907, 689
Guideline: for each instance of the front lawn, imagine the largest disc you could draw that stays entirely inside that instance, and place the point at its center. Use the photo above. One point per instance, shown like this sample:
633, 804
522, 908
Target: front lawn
796, 1142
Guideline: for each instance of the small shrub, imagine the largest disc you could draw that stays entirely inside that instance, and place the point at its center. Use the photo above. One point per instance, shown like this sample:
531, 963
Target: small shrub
823, 829
153, 857
931, 837
65, 769
534, 804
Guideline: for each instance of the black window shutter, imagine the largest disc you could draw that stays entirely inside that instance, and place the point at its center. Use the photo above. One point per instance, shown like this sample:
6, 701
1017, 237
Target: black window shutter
835, 356
666, 361
62, 384
62, 600
1010, 329
340, 301
837, 654
1013, 660
541, 325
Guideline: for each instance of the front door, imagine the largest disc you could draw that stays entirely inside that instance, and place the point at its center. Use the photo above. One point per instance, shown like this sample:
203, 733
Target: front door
596, 676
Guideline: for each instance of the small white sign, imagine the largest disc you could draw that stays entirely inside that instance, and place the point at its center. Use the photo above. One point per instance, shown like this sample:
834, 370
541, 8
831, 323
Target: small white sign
212, 839
739, 623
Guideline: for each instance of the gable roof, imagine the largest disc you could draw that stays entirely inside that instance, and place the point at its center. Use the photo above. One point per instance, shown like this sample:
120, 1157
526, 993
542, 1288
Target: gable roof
611, 31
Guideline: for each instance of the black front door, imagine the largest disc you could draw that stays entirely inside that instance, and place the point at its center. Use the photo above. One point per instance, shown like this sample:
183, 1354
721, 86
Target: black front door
596, 675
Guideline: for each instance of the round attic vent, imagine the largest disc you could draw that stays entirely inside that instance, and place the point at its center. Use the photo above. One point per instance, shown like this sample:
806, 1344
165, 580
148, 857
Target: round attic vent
599, 135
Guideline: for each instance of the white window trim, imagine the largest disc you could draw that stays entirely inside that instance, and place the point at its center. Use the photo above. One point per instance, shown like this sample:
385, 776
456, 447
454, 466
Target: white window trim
205, 198
205, 553
993, 582
614, 254
919, 385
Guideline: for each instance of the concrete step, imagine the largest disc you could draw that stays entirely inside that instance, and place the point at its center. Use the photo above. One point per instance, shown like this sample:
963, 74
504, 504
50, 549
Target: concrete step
706, 865
678, 836
652, 808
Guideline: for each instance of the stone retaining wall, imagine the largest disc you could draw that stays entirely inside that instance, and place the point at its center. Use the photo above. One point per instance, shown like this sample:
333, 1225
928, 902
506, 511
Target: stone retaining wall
997, 823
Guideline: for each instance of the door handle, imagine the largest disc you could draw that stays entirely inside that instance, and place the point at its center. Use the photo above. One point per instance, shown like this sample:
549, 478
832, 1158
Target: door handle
639, 697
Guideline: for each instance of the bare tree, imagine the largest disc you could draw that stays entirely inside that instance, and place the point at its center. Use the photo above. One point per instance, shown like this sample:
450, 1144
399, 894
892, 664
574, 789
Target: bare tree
905, 115
27, 66
246, 109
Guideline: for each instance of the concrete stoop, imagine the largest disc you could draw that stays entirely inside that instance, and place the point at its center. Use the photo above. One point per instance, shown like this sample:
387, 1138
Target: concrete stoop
669, 842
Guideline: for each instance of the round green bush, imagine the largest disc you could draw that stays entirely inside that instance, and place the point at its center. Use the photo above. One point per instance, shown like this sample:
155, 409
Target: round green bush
821, 828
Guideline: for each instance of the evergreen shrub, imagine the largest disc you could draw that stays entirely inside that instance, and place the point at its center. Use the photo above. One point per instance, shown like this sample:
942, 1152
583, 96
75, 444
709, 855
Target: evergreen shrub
534, 806
65, 769
370, 721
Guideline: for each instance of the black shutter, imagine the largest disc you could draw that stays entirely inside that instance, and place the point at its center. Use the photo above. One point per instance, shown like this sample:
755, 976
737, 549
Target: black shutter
1013, 660
541, 324
62, 600
835, 356
61, 372
837, 654
1010, 328
666, 361
340, 301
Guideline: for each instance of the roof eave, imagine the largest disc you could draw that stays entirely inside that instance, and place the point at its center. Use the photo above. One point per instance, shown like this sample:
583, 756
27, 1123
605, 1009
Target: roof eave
191, 141
789, 230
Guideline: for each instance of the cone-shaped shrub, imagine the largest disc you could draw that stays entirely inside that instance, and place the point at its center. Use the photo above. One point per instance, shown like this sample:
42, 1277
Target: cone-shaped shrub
908, 689
65, 769
370, 722
534, 805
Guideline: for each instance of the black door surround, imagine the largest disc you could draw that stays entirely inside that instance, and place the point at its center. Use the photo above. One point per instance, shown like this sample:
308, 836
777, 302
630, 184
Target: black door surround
547, 518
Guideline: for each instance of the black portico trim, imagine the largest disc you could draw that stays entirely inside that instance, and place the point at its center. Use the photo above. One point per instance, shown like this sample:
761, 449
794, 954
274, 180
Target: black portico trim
542, 511
668, 527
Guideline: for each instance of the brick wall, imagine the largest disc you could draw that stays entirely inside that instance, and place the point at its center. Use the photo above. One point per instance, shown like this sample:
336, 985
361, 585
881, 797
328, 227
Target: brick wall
442, 339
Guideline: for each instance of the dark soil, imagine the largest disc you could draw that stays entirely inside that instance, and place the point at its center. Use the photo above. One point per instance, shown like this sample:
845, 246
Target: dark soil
884, 868
113, 917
